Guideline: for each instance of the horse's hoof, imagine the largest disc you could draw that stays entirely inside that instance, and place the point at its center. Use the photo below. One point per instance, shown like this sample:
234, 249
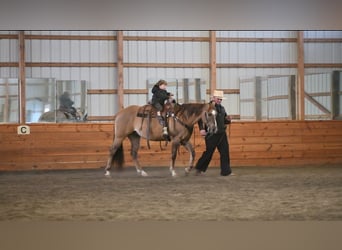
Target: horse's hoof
142, 172
107, 173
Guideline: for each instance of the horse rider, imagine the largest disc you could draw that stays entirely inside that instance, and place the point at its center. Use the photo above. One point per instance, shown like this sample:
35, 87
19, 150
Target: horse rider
159, 98
65, 104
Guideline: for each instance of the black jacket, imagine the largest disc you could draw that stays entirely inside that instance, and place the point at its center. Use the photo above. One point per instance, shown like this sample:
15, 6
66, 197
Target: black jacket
159, 95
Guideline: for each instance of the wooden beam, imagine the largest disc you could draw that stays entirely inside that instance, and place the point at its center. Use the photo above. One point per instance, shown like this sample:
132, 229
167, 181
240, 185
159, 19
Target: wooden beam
226, 91
323, 65
120, 67
100, 118
115, 91
323, 40
9, 64
316, 103
8, 36
144, 91
255, 40
256, 65
300, 76
69, 64
166, 65
166, 38
171, 65
22, 79
212, 61
70, 37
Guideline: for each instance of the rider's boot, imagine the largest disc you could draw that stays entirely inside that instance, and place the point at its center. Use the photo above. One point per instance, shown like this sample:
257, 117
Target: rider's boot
162, 122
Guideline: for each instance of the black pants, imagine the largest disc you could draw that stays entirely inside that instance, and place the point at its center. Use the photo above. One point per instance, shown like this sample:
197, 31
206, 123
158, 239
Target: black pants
219, 141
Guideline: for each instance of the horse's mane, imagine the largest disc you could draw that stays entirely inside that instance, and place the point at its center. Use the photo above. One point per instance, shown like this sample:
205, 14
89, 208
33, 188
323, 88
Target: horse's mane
188, 109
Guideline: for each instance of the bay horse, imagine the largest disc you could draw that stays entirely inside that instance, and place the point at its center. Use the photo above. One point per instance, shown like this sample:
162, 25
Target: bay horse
130, 123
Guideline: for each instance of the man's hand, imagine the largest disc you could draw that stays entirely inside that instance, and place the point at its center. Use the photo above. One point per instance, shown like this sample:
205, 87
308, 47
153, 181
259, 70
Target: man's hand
203, 132
228, 119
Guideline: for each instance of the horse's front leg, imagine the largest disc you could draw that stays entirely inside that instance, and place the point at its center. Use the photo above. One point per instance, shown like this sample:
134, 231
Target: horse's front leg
191, 151
175, 146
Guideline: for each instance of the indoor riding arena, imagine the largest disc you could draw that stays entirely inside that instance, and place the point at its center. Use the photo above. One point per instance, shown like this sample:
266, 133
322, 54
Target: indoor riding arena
282, 90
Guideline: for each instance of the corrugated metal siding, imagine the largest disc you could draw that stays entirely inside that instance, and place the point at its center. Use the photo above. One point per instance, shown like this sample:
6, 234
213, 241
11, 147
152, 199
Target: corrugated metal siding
251, 52
322, 52
165, 52
9, 53
82, 51
278, 94
318, 84
247, 98
258, 34
9, 111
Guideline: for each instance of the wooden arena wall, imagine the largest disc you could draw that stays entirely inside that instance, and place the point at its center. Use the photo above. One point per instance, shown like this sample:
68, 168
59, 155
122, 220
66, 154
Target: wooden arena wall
86, 145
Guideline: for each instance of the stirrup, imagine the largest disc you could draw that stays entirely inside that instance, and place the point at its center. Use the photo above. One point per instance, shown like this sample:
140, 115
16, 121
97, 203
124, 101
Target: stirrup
166, 134
166, 137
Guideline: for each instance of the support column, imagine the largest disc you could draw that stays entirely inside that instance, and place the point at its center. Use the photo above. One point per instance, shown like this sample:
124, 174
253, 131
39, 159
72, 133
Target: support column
292, 97
335, 112
258, 98
185, 90
300, 76
120, 79
22, 79
212, 54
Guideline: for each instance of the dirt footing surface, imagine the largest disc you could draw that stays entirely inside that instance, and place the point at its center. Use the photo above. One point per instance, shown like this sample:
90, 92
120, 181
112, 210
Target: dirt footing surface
253, 194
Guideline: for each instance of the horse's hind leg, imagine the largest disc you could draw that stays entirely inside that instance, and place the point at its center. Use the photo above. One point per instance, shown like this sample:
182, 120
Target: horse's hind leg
135, 144
115, 155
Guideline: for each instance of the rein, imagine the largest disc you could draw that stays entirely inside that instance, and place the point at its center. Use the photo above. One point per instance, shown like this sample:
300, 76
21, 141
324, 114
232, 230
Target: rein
182, 123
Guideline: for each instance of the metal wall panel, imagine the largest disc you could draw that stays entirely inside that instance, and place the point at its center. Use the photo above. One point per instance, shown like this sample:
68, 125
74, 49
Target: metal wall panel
257, 34
168, 33
278, 103
323, 34
247, 98
319, 87
322, 52
8, 50
166, 52
9, 53
70, 51
233, 52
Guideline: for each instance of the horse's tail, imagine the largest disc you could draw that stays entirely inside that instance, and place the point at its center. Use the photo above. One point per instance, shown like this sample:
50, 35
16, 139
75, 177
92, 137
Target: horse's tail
118, 158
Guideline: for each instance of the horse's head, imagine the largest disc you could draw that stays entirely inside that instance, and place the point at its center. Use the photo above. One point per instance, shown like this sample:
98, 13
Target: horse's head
209, 118
81, 115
